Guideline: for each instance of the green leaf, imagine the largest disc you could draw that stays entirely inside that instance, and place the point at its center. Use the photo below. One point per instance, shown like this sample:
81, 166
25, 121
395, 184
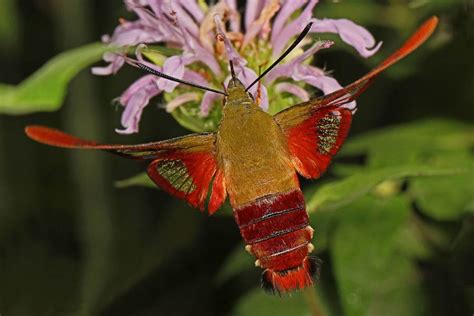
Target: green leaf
399, 291
4, 88
257, 302
444, 198
34, 282
141, 179
372, 277
342, 192
324, 224
161, 50
188, 116
412, 142
9, 25
46, 88
412, 241
141, 251
238, 261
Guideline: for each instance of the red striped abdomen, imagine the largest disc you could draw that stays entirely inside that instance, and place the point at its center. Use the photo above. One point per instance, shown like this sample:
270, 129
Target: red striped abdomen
276, 230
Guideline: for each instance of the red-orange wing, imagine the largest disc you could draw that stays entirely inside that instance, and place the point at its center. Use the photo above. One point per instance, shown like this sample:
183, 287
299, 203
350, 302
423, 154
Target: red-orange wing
183, 166
316, 129
315, 140
187, 176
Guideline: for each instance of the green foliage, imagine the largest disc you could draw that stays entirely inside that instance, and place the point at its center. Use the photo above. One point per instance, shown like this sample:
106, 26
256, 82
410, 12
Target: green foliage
445, 198
257, 302
46, 88
9, 25
38, 288
433, 142
371, 275
141, 179
189, 117
342, 192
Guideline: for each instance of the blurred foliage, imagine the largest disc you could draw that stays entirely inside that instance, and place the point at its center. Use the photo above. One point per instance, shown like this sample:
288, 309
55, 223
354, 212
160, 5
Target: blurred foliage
46, 88
9, 26
393, 217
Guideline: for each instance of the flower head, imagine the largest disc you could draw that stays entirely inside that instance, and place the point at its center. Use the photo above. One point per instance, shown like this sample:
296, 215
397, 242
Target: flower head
194, 45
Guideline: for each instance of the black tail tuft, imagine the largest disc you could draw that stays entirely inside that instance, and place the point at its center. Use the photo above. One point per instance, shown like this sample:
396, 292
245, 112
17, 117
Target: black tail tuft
315, 267
267, 284
284, 281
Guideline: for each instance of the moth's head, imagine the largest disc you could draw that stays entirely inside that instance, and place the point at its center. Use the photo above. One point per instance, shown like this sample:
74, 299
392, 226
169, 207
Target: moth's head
235, 83
235, 88
236, 92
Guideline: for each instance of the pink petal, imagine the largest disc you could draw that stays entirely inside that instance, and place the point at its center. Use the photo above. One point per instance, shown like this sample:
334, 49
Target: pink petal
115, 61
234, 16
135, 3
134, 99
288, 8
135, 87
199, 53
291, 29
168, 25
146, 17
138, 53
351, 33
184, 19
252, 10
174, 67
180, 100
195, 77
207, 35
193, 8
286, 70
207, 102
269, 8
133, 33
232, 54
311, 51
293, 89
315, 77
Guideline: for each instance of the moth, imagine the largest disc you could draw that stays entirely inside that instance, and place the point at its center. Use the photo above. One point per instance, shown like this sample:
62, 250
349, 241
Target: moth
254, 159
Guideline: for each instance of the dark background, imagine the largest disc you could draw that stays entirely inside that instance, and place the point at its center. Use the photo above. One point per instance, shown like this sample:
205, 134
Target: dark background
71, 242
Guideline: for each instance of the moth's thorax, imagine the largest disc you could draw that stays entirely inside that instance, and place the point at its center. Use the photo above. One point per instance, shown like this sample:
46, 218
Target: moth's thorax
252, 151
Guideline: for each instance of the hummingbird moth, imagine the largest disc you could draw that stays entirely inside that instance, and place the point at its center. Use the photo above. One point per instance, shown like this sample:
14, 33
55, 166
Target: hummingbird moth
254, 159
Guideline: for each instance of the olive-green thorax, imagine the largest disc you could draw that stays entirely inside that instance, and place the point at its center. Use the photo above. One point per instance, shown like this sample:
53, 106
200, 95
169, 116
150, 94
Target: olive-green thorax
252, 150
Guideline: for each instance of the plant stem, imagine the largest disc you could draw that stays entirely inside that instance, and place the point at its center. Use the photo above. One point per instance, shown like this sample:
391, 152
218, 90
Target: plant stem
312, 300
89, 171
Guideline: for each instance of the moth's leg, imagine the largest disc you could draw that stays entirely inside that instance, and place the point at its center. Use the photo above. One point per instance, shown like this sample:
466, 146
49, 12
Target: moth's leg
259, 87
259, 93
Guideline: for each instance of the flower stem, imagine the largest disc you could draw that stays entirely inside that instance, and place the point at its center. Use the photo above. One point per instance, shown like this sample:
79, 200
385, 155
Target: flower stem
312, 300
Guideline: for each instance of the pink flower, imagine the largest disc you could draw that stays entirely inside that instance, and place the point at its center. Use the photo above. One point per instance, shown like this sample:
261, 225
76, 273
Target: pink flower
199, 50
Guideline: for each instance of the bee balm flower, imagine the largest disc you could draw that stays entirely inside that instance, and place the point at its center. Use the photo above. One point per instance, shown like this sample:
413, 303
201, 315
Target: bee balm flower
199, 47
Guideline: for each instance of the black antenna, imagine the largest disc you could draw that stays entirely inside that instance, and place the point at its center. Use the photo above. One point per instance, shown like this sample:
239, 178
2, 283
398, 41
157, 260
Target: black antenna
165, 76
295, 43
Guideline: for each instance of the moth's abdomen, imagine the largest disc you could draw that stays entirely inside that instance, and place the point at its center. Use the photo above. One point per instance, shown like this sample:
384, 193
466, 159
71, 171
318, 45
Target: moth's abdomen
276, 230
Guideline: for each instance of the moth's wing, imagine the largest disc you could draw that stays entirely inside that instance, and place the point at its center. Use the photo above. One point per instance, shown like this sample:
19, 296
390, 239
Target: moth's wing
314, 137
183, 166
316, 129
188, 175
